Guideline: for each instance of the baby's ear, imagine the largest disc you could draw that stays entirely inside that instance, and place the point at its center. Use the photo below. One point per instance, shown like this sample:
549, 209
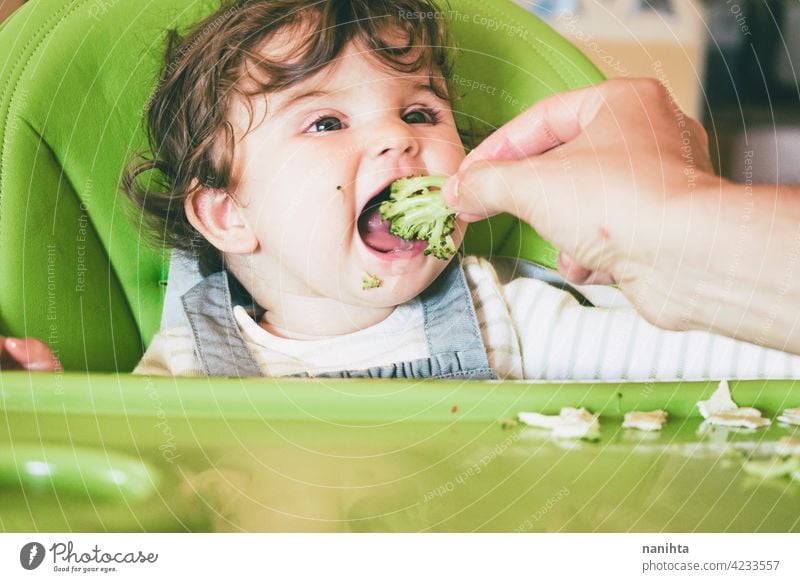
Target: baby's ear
217, 216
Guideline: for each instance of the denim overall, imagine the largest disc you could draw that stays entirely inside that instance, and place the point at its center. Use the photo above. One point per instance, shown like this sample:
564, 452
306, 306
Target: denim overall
451, 329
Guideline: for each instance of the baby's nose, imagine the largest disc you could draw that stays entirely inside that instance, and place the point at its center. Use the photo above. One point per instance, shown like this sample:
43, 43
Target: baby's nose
394, 141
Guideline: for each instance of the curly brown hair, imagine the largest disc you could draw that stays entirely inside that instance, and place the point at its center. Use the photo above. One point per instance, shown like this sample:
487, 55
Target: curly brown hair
192, 142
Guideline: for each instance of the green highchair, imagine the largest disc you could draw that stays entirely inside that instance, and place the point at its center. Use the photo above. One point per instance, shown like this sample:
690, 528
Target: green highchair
95, 448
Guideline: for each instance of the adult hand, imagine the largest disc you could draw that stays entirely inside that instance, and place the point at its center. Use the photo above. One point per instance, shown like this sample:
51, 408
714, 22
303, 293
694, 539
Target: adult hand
620, 180
27, 354
591, 170
601, 172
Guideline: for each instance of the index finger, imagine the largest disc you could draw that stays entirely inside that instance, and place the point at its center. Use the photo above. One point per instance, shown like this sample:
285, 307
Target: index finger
546, 124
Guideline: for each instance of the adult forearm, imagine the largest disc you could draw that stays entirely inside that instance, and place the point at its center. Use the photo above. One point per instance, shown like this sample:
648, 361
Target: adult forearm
734, 266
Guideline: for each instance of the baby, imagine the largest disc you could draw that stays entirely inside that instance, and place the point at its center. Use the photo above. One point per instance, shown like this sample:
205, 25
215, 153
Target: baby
276, 130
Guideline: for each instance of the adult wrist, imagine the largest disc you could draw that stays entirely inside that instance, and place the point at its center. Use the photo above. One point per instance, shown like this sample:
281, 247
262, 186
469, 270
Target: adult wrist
740, 275
666, 272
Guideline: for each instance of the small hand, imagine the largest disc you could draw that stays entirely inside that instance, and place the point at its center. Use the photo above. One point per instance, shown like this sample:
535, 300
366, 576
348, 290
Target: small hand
27, 354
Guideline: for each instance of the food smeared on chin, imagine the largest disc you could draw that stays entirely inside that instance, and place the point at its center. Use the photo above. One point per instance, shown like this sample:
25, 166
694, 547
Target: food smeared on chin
370, 282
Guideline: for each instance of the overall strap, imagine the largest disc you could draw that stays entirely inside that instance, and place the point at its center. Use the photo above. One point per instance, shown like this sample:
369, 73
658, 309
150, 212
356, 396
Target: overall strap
218, 344
451, 326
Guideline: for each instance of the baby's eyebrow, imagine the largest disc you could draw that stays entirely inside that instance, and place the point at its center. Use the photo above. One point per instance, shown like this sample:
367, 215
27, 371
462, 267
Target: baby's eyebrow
426, 88
295, 100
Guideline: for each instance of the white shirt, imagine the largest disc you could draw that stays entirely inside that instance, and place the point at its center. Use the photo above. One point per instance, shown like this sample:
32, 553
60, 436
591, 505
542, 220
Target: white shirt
531, 330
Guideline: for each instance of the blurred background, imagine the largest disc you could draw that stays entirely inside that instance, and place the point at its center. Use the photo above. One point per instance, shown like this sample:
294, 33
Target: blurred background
732, 63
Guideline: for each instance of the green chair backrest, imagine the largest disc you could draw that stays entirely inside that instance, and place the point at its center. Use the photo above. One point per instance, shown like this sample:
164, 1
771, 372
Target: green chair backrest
75, 77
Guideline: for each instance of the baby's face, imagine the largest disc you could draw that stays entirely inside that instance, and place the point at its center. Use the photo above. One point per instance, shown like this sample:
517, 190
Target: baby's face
325, 153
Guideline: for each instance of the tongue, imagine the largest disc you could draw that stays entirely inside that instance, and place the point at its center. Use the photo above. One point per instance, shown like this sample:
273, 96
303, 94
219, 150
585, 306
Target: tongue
375, 232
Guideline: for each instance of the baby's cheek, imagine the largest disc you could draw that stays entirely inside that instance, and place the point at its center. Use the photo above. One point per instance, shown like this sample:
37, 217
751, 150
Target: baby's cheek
452, 159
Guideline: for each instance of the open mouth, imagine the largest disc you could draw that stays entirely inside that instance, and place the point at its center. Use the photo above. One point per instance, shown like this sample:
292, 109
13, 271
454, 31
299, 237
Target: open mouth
375, 233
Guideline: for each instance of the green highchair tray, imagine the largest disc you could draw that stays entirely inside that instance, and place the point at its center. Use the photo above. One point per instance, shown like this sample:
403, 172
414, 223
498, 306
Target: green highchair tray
127, 453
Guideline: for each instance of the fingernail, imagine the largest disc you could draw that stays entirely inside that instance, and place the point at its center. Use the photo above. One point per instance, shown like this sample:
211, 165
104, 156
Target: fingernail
450, 190
12, 343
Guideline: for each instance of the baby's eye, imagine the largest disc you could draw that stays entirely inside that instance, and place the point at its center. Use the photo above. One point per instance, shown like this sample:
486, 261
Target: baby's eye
326, 123
422, 116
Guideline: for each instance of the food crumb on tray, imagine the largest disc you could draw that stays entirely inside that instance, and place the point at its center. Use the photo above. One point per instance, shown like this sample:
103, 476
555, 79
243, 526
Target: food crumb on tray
790, 416
570, 423
652, 420
721, 410
509, 423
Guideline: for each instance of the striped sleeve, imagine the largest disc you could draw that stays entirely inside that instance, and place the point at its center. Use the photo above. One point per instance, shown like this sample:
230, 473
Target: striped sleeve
563, 340
497, 330
171, 353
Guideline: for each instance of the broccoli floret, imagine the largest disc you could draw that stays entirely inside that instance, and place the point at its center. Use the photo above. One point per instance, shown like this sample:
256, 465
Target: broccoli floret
417, 212
370, 282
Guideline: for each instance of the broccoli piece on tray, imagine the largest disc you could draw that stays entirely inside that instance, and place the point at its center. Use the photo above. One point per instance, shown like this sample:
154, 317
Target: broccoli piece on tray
417, 212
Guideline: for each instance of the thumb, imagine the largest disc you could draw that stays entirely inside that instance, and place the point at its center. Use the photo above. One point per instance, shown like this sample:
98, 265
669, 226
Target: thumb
486, 188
